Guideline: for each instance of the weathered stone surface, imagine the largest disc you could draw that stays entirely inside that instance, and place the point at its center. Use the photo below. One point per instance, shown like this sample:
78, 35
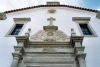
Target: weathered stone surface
48, 59
50, 65
3, 16
57, 36
48, 49
47, 55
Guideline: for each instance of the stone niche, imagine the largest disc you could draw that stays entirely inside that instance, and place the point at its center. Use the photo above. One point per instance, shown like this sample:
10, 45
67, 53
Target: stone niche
3, 16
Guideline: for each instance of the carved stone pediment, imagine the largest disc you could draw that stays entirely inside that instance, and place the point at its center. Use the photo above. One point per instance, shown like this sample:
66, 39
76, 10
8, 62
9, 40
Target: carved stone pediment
50, 36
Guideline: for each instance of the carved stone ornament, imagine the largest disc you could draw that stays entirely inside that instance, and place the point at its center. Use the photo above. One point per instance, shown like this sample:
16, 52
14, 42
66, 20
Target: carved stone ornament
3, 16
50, 36
52, 11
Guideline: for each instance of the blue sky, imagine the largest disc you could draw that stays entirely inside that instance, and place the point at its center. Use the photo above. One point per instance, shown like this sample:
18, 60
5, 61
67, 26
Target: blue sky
15, 4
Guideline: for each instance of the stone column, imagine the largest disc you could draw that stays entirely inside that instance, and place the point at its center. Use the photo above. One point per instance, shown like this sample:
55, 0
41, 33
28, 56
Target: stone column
81, 61
15, 62
16, 58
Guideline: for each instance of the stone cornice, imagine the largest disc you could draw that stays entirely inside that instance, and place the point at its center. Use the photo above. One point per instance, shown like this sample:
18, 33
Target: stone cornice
49, 43
81, 18
53, 3
50, 27
22, 19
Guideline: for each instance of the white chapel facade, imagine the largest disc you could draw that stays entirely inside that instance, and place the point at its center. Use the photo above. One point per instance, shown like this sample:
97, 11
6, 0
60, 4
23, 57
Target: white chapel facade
51, 35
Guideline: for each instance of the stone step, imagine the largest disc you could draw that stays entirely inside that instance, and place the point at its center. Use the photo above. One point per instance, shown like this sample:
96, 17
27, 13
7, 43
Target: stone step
47, 65
48, 59
47, 55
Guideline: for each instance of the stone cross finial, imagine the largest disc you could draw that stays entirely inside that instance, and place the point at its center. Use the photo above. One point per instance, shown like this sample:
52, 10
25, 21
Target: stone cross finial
51, 19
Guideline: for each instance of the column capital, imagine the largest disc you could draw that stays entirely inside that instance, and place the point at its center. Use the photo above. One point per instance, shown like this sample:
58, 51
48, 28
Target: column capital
76, 39
80, 56
80, 48
23, 39
17, 55
20, 49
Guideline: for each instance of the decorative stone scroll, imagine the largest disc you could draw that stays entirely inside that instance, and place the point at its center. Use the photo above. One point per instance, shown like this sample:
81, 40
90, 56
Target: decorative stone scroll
50, 36
51, 10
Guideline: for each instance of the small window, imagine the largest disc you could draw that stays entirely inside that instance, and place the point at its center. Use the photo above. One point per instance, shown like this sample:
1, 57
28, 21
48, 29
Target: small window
84, 26
85, 29
17, 29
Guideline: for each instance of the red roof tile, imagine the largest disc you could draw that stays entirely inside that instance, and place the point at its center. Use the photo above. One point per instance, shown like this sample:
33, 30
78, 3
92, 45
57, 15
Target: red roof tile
26, 8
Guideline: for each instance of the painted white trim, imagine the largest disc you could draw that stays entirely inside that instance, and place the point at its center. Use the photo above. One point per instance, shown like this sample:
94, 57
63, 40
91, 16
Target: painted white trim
90, 28
12, 28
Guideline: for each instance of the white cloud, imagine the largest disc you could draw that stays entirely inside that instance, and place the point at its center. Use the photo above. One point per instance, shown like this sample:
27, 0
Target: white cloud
15, 4
98, 8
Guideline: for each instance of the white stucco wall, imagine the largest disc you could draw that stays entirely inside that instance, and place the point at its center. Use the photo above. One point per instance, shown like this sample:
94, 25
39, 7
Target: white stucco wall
64, 22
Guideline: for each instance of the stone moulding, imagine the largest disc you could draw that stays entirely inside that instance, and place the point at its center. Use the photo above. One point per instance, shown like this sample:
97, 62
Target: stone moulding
81, 18
50, 27
22, 19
